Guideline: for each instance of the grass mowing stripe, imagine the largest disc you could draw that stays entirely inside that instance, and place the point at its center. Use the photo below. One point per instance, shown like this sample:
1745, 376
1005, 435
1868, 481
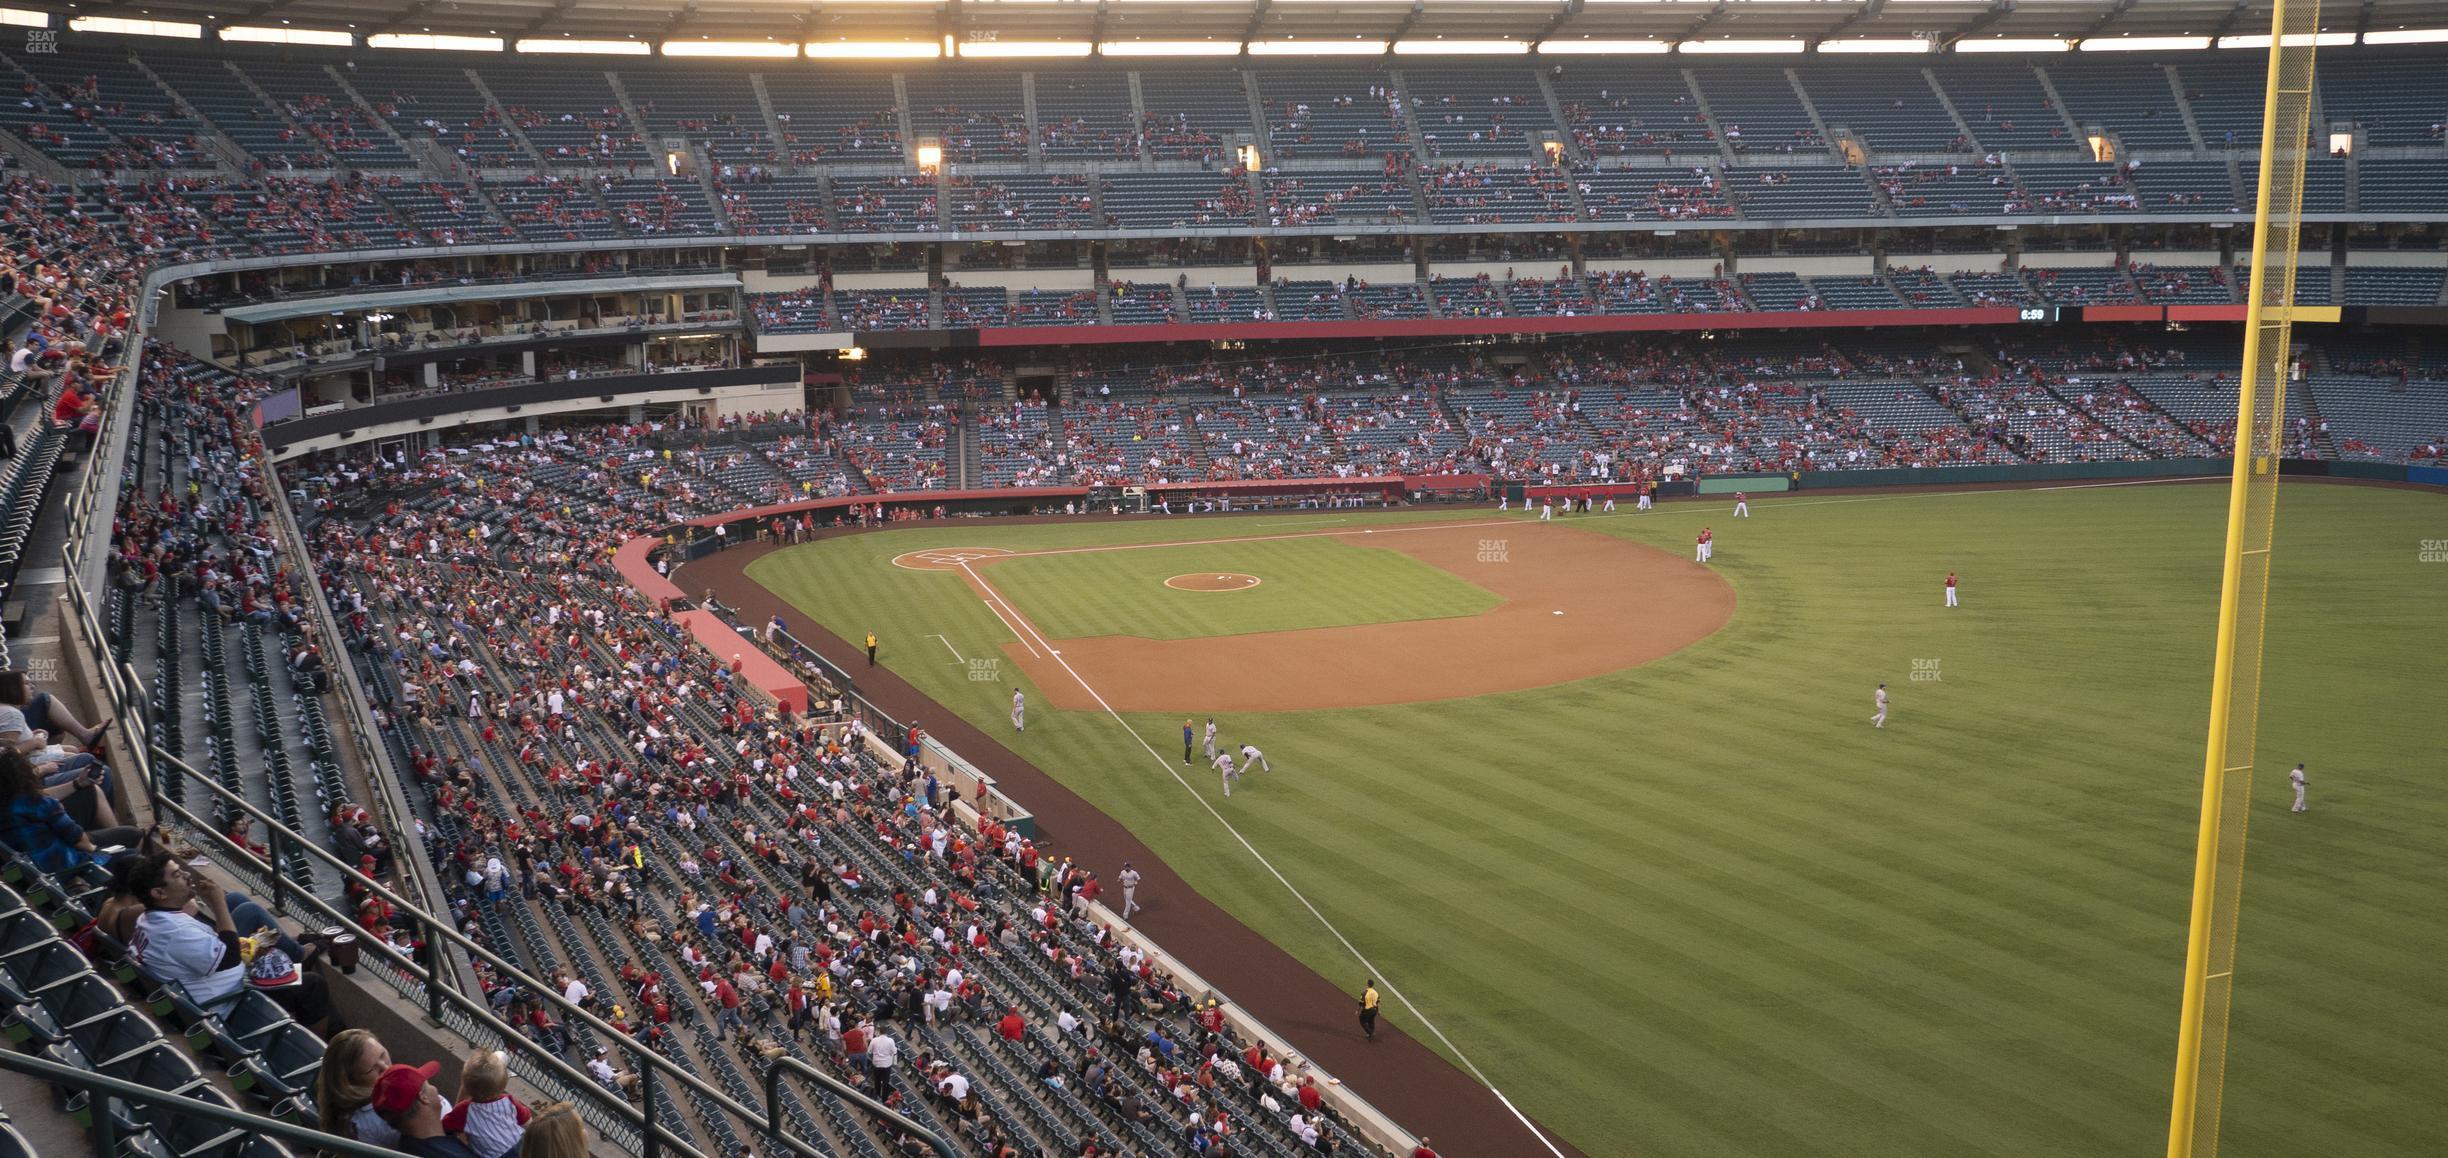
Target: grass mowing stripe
1992, 886
1706, 941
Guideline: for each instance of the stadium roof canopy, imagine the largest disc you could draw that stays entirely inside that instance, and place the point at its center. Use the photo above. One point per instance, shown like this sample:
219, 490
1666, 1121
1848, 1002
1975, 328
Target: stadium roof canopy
1059, 27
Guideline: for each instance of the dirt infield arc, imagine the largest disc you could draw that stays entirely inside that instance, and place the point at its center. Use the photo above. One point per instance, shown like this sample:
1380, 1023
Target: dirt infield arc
1622, 604
1397, 1073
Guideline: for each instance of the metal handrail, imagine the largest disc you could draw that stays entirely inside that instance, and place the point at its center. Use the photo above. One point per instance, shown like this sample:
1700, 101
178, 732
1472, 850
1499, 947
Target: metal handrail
382, 776
439, 936
773, 1102
115, 1089
434, 933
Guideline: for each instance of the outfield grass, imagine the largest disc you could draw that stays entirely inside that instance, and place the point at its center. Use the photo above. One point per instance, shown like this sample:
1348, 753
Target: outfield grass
1304, 583
1701, 908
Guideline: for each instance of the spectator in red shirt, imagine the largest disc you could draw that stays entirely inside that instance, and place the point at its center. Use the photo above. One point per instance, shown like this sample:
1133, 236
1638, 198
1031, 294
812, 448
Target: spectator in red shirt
727, 1015
1012, 1027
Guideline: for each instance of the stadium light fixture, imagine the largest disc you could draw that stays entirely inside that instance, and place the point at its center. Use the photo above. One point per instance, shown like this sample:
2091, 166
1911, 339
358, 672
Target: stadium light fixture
2016, 44
1876, 44
1170, 48
427, 41
2407, 36
1604, 47
1738, 46
120, 26
873, 50
2259, 41
1011, 49
765, 49
542, 45
2144, 43
1317, 47
1433, 47
259, 34
24, 18
930, 156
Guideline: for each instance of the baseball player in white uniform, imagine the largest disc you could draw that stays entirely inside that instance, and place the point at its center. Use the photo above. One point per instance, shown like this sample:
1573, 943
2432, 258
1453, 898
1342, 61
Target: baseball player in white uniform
1546, 510
1251, 756
2296, 778
1742, 505
1019, 710
1880, 720
1130, 890
1610, 505
1224, 765
1211, 748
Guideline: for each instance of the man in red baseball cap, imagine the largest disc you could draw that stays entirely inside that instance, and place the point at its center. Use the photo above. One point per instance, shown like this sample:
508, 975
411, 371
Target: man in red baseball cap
405, 1097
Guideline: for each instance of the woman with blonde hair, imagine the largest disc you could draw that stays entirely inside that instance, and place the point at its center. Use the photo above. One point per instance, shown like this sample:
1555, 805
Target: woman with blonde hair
351, 1062
555, 1132
344, 1088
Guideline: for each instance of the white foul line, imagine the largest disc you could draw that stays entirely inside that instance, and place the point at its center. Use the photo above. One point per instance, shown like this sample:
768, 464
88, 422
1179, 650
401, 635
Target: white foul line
957, 657
990, 606
995, 597
1026, 629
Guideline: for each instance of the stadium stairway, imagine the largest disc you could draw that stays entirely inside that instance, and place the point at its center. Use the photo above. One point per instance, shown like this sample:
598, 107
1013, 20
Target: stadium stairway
2322, 440
1964, 414
547, 933
965, 460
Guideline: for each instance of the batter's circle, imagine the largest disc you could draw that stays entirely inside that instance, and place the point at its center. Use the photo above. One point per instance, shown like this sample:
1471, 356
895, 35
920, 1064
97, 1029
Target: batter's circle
945, 558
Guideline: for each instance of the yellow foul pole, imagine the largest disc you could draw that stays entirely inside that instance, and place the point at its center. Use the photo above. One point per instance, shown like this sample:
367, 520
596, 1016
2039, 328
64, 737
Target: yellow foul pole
2235, 682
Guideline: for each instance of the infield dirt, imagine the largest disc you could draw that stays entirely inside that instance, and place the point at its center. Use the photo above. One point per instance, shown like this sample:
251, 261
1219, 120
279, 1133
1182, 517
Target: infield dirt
1622, 603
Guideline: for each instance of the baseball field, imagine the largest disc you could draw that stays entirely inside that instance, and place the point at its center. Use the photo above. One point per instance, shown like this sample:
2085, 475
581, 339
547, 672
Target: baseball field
1615, 829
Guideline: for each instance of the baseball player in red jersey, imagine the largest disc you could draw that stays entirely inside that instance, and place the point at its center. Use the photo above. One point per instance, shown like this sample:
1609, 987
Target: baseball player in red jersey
1950, 589
1742, 505
1705, 546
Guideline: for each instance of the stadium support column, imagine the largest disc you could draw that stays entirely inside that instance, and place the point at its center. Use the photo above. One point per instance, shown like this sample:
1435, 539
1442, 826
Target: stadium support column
2252, 512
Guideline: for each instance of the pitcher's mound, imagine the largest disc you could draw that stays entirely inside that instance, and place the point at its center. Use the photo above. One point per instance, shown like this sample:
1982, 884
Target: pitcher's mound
1230, 582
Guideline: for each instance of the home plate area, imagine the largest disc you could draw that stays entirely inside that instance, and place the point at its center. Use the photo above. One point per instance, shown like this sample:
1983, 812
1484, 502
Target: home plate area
1227, 582
944, 558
